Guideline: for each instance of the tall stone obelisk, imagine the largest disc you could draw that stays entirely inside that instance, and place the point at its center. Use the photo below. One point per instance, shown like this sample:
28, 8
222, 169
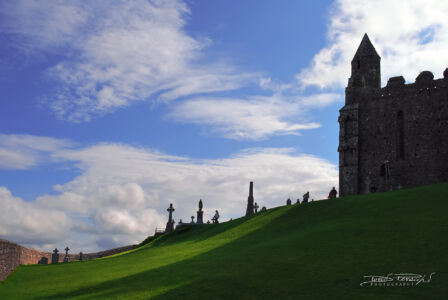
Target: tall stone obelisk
200, 213
250, 200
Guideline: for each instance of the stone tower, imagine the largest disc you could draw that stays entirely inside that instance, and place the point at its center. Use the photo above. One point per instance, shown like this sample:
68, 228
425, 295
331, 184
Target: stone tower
250, 200
392, 137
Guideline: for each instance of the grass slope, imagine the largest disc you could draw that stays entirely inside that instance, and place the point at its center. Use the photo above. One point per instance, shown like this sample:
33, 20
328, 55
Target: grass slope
320, 250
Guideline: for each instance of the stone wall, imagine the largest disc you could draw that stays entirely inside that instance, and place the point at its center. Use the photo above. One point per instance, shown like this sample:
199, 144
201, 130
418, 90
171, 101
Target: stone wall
12, 255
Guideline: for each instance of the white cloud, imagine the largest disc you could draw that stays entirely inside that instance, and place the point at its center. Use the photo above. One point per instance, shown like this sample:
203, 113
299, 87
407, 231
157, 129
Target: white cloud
254, 118
122, 193
116, 53
409, 35
28, 222
21, 151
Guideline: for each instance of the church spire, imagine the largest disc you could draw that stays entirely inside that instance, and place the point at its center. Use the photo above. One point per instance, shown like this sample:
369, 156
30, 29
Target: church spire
366, 66
366, 48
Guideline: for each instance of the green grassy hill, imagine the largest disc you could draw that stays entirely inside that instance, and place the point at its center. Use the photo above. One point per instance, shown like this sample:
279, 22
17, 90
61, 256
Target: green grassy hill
320, 250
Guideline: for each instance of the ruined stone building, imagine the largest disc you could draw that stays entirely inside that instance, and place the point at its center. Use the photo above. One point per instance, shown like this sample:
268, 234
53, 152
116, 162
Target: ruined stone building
392, 137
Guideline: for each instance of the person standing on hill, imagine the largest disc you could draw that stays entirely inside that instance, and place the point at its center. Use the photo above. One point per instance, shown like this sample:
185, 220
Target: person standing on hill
216, 217
333, 193
306, 197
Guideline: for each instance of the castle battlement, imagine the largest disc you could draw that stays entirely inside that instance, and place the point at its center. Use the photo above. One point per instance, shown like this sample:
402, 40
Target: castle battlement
395, 136
423, 81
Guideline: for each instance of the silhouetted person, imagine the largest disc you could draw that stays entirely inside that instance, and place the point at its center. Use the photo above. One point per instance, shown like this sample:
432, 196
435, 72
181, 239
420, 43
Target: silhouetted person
333, 193
306, 196
216, 217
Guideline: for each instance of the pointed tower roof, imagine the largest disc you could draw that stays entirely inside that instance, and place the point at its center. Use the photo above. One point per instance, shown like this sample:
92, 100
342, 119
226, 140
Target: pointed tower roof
366, 48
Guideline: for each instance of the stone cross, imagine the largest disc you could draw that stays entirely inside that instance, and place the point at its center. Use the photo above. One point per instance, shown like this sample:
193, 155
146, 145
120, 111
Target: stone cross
55, 256
66, 258
192, 219
170, 223
256, 207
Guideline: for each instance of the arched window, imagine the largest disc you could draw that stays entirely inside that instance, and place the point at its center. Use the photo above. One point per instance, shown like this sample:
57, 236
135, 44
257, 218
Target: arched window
400, 135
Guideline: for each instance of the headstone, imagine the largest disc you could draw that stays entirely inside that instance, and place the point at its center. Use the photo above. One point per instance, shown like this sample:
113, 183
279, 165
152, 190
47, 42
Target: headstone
200, 213
192, 219
80, 256
208, 222
288, 202
180, 221
256, 207
250, 200
263, 208
66, 258
170, 223
43, 261
55, 256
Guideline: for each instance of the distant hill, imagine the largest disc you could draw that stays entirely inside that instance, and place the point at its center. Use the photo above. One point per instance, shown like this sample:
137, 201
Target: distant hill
320, 250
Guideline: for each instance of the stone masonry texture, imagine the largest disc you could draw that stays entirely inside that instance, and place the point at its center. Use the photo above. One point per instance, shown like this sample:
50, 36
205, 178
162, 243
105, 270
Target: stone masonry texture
392, 137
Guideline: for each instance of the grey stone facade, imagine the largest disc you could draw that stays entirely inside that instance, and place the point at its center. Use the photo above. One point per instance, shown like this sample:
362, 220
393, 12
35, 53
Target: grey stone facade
392, 137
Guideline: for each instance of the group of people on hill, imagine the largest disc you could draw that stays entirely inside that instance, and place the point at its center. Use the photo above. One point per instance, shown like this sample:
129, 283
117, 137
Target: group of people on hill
305, 198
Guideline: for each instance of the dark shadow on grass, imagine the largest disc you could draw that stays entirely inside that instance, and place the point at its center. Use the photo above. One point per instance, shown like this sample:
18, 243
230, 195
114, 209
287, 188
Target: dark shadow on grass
291, 257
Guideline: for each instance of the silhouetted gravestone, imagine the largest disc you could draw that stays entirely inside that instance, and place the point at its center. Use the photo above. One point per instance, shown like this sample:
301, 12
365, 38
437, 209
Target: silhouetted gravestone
288, 202
180, 221
256, 207
250, 200
200, 213
170, 223
43, 261
192, 219
55, 256
208, 222
263, 208
66, 258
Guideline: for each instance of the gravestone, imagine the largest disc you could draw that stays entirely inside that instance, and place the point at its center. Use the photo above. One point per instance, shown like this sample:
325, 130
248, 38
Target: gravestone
256, 207
66, 258
263, 208
170, 224
80, 255
192, 219
43, 261
55, 256
288, 202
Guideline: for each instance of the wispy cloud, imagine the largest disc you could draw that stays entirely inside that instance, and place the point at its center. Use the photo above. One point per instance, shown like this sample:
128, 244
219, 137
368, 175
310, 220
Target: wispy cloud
21, 151
410, 35
122, 192
116, 53
254, 118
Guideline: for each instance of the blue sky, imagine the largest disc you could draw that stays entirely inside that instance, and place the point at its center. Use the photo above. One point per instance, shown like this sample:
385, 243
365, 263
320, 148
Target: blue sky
111, 111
